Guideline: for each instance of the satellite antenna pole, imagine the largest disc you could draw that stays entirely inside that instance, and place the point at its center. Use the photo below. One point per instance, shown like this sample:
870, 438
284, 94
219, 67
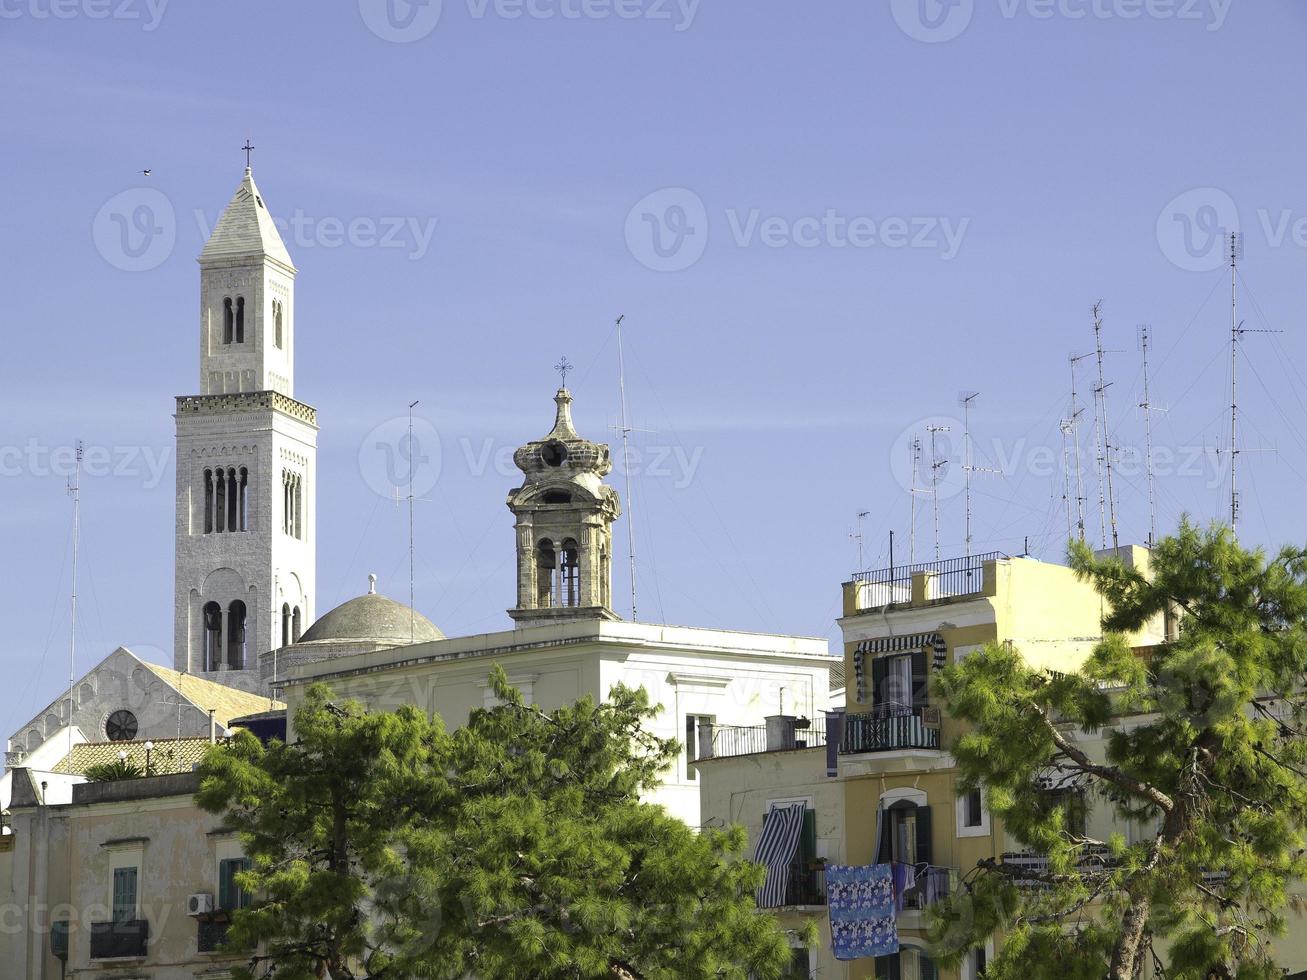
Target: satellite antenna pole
1076, 412
1105, 441
1234, 382
966, 398
1067, 427
626, 464
411, 455
74, 491
857, 536
912, 531
935, 465
1147, 406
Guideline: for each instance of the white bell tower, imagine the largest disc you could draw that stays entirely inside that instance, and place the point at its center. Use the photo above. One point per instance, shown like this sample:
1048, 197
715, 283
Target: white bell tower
246, 459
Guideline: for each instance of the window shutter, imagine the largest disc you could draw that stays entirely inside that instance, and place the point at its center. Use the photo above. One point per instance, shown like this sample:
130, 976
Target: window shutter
920, 678
926, 967
879, 680
887, 967
808, 838
923, 835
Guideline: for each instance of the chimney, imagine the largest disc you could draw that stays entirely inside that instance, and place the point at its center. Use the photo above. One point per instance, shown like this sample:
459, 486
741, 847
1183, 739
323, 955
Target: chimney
780, 732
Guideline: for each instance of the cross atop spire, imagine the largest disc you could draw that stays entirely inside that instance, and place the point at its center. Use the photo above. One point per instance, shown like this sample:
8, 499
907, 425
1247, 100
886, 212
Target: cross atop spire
249, 149
562, 367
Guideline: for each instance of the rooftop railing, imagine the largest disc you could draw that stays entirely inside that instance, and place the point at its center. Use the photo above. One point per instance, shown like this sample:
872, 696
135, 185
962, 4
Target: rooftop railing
951, 578
732, 740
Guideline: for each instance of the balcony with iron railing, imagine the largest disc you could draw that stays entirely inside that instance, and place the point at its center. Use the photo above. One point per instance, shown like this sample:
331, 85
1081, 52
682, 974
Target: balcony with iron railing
807, 883
890, 729
953, 578
783, 734
125, 938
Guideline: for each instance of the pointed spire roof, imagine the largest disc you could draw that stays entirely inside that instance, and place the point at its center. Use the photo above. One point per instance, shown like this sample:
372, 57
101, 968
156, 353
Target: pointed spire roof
246, 228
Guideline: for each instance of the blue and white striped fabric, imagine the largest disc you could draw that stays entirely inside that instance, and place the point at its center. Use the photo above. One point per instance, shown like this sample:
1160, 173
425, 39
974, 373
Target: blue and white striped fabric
776, 846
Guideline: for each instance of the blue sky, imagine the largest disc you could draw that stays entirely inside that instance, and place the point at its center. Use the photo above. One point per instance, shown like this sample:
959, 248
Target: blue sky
822, 223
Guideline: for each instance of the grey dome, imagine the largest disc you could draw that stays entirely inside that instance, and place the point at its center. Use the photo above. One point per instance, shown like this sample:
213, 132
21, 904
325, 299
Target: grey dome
372, 618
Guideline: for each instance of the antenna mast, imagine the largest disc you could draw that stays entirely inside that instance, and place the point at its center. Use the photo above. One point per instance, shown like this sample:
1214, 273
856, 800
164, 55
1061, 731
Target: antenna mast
1105, 460
74, 491
1234, 382
1147, 406
936, 464
857, 536
912, 531
411, 457
626, 463
966, 398
1076, 412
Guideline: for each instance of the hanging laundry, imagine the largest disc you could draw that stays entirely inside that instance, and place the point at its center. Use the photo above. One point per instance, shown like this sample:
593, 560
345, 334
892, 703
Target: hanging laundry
905, 878
777, 845
863, 921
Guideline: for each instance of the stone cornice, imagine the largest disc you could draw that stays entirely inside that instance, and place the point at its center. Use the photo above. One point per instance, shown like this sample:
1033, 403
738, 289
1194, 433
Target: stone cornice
246, 401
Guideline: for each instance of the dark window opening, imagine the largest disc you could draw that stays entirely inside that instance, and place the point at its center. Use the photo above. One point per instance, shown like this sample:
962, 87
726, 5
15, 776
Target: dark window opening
208, 501
570, 575
973, 809
546, 560
295, 625
240, 319
285, 624
557, 497
236, 635
212, 635
227, 320
554, 453
905, 836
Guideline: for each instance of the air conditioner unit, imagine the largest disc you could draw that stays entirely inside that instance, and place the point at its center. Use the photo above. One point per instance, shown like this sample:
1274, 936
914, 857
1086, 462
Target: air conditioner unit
930, 717
200, 904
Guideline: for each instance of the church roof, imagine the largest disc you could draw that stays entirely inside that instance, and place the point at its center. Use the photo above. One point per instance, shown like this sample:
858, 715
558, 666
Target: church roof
167, 755
372, 618
246, 228
227, 702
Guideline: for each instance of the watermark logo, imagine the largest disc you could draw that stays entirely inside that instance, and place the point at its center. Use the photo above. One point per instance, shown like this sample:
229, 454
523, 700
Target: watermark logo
135, 230
667, 231
932, 21
148, 12
920, 465
302, 230
1194, 228
400, 21
148, 465
395, 461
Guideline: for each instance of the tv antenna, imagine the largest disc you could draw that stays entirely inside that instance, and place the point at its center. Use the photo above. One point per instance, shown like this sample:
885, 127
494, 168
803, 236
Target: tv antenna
625, 429
1145, 336
74, 491
1074, 424
965, 399
1104, 434
1237, 330
856, 535
912, 494
936, 464
411, 456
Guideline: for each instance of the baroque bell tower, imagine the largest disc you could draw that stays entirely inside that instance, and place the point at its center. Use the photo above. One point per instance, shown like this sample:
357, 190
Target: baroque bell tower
565, 516
246, 458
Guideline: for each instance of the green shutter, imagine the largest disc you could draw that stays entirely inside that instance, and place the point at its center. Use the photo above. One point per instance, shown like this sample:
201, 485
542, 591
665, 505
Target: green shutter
230, 895
124, 894
920, 679
924, 852
808, 838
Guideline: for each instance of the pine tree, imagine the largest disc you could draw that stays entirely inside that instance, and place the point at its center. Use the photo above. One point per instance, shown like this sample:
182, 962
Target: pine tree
1204, 747
385, 847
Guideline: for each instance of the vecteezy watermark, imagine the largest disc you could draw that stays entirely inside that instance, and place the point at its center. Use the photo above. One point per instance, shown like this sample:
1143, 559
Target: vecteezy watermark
928, 457
934, 21
400, 21
302, 230
148, 12
136, 229
147, 464
397, 460
389, 458
1194, 227
668, 230
406, 21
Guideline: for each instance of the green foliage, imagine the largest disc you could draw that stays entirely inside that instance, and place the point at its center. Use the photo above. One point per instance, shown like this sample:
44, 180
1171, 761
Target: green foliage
384, 846
104, 772
1204, 749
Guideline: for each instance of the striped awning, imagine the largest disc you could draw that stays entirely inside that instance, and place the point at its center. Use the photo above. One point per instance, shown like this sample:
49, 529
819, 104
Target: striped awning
781, 828
885, 645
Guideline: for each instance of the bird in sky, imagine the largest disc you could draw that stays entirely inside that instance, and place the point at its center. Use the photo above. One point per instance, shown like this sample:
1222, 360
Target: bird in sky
146, 172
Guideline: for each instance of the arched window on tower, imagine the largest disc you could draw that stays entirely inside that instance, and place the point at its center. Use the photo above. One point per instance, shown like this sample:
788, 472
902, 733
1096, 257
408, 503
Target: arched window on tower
276, 323
546, 569
295, 625
243, 499
570, 575
208, 501
236, 635
240, 319
227, 320
212, 635
219, 500
285, 624
233, 500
